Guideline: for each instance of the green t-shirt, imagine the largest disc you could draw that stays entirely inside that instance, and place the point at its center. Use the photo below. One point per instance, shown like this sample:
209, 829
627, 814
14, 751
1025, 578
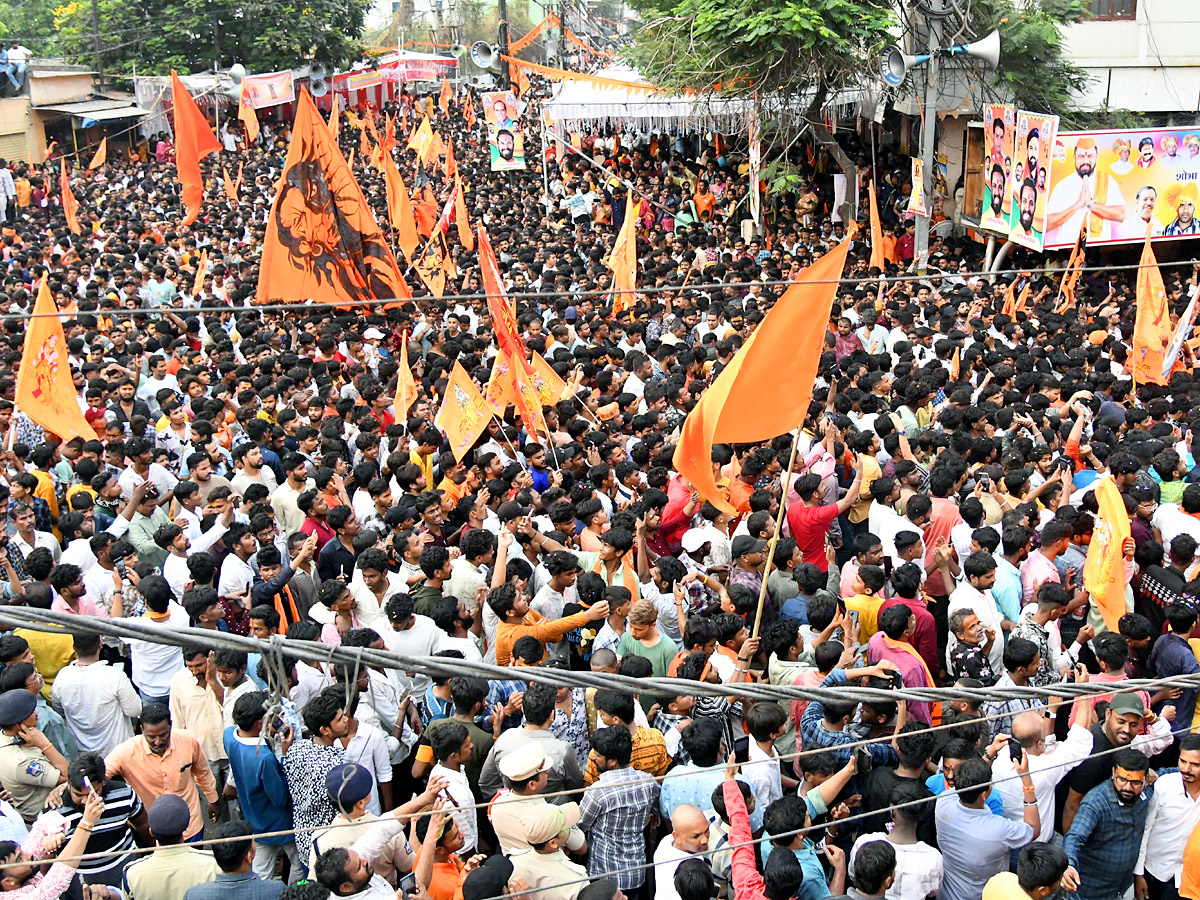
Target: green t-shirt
424, 599
660, 655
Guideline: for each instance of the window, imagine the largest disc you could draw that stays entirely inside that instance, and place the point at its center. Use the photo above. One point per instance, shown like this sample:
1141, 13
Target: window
1112, 9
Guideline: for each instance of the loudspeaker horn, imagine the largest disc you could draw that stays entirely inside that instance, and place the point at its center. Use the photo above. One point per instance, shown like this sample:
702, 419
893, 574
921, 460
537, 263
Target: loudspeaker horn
483, 54
458, 51
986, 49
895, 63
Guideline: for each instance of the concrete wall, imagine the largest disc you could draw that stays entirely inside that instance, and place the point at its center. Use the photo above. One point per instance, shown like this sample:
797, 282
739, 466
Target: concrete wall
19, 136
47, 89
1150, 63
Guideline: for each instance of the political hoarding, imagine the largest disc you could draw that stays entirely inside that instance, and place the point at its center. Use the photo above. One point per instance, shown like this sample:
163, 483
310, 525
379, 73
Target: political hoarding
1124, 183
506, 139
999, 125
1032, 147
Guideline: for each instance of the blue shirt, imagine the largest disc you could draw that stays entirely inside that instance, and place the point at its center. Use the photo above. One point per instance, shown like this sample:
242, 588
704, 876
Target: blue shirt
1172, 655
696, 788
1007, 590
815, 734
243, 886
937, 784
796, 608
1104, 841
261, 786
814, 886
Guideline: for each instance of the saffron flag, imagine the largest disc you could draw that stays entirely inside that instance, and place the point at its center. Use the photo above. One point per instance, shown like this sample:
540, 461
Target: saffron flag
425, 211
550, 386
526, 399
421, 140
450, 164
1023, 298
1066, 287
400, 209
499, 392
766, 388
460, 218
69, 204
444, 97
406, 385
1152, 325
194, 140
246, 114
45, 391
322, 243
335, 118
955, 364
463, 415
504, 317
101, 155
201, 265
877, 257
1010, 301
1104, 571
231, 186
623, 261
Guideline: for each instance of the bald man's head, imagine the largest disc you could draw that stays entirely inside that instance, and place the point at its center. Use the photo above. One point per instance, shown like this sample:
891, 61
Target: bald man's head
689, 829
1027, 730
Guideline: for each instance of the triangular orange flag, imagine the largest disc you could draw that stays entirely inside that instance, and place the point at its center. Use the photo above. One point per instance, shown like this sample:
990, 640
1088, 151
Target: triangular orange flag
550, 386
331, 250
201, 267
1010, 300
231, 186
194, 140
101, 155
1104, 570
460, 218
463, 415
500, 391
451, 165
246, 114
955, 365
406, 385
69, 204
504, 317
1152, 325
422, 140
1023, 298
765, 390
877, 257
623, 261
45, 391
335, 118
523, 86
400, 208
425, 210
444, 97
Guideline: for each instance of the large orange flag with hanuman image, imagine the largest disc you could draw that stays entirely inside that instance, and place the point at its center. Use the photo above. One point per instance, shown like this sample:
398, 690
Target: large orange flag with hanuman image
45, 391
322, 243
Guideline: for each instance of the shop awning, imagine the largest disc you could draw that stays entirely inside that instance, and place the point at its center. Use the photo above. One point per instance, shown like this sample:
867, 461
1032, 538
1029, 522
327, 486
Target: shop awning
97, 110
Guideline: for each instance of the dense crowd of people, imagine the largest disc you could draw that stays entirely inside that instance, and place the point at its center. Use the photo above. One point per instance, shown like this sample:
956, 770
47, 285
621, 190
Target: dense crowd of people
250, 474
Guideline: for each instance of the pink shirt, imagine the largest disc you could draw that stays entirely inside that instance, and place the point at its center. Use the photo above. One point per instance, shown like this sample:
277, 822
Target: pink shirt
87, 606
1036, 571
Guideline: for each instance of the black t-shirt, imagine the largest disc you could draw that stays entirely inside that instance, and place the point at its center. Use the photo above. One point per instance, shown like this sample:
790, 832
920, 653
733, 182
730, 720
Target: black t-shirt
877, 795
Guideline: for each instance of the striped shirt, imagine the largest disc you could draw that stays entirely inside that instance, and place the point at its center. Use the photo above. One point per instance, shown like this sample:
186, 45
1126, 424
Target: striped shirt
111, 834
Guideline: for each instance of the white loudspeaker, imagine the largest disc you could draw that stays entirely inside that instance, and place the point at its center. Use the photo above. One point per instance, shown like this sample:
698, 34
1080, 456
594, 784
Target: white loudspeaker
483, 54
895, 63
986, 49
458, 51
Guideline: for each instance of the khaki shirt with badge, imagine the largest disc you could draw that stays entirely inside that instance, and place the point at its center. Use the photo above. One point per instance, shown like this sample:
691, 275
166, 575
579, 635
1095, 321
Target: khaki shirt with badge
27, 774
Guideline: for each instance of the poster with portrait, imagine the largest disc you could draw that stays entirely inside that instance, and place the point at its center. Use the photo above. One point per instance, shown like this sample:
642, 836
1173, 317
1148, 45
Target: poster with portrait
506, 140
916, 203
999, 126
1123, 184
1032, 146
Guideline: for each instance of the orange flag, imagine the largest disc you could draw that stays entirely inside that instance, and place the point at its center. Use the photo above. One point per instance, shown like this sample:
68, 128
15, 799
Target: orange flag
69, 204
232, 185
45, 391
877, 257
463, 415
422, 140
1023, 298
194, 140
1010, 300
444, 97
451, 165
550, 386
1066, 287
523, 86
955, 365
1152, 325
1104, 571
201, 266
460, 218
101, 155
623, 261
425, 210
322, 243
246, 114
406, 385
500, 391
335, 119
504, 317
400, 208
766, 388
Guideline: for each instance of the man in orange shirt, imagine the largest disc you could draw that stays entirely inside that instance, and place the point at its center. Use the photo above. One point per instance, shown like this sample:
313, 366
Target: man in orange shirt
518, 620
162, 760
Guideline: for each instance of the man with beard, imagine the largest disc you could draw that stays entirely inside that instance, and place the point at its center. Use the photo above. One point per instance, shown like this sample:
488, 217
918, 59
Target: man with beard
1123, 720
1026, 207
1174, 813
1185, 213
1106, 837
1084, 194
1141, 216
997, 191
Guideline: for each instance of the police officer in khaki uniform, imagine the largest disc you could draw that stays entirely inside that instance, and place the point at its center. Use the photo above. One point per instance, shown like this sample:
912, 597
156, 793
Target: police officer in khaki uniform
524, 772
30, 767
174, 867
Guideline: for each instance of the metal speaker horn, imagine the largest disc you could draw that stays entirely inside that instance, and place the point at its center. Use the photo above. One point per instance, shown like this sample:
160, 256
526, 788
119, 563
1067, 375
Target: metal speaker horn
318, 72
895, 63
317, 84
237, 74
483, 54
458, 51
986, 49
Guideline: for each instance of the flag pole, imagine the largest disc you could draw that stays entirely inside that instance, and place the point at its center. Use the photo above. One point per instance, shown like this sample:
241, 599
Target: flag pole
774, 541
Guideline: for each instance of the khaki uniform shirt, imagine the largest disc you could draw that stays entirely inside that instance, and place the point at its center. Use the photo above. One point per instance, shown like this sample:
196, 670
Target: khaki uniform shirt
27, 774
168, 873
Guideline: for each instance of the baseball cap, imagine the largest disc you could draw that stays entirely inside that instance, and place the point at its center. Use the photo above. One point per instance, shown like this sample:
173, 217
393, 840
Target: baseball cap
489, 880
744, 543
693, 539
511, 509
1129, 702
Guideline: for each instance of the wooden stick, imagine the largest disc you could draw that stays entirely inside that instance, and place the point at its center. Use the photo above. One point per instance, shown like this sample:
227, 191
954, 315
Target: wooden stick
771, 544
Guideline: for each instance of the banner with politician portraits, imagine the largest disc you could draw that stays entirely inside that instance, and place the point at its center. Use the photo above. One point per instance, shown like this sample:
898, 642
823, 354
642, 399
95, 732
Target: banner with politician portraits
1123, 184
506, 139
1032, 146
999, 128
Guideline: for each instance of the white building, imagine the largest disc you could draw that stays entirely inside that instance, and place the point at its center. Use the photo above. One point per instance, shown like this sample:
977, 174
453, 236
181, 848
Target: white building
1143, 55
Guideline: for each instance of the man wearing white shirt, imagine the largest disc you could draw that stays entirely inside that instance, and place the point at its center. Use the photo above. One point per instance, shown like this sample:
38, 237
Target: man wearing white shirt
688, 839
97, 701
1047, 766
1174, 814
975, 594
882, 519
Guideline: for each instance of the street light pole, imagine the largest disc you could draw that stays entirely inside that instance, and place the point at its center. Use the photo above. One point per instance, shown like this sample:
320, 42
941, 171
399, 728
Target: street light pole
928, 133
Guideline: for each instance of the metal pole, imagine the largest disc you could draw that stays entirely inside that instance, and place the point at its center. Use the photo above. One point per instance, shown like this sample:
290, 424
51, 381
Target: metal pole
96, 43
502, 40
928, 132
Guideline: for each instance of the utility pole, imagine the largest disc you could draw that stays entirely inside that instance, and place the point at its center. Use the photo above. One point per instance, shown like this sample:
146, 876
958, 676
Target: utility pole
502, 40
96, 43
928, 133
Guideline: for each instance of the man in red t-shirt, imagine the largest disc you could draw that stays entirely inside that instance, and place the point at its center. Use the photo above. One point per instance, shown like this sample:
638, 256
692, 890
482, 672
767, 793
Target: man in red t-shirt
810, 522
